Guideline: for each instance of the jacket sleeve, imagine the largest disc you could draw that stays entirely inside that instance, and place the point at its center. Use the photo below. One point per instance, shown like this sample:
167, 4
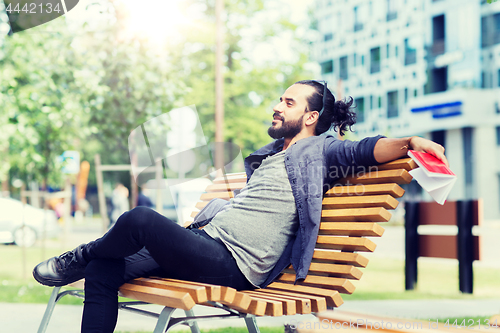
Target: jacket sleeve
346, 153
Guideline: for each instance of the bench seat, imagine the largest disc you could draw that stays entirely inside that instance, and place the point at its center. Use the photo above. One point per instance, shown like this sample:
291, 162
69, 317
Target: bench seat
351, 210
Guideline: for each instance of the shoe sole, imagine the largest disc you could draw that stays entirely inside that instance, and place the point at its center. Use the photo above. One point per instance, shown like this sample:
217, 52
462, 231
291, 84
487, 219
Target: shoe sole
51, 283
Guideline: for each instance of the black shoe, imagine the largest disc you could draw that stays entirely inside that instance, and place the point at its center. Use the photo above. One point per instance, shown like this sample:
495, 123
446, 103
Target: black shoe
59, 271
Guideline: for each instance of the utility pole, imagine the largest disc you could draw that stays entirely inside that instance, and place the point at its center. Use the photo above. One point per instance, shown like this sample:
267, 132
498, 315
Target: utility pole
219, 87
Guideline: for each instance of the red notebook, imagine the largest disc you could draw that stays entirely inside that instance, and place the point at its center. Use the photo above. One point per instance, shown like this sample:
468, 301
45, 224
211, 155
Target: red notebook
433, 175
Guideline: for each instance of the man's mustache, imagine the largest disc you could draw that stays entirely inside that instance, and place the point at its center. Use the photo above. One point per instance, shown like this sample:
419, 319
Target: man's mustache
279, 116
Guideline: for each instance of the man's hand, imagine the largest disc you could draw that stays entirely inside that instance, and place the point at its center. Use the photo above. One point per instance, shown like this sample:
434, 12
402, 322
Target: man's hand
387, 150
420, 144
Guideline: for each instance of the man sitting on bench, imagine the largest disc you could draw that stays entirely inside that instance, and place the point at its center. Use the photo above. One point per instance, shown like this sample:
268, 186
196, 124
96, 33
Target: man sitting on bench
271, 223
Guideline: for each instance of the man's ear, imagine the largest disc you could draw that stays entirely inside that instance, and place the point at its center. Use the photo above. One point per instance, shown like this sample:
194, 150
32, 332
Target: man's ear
312, 117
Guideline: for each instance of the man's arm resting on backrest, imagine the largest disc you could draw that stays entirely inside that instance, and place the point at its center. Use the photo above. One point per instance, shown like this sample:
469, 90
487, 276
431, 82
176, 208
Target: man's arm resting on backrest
389, 149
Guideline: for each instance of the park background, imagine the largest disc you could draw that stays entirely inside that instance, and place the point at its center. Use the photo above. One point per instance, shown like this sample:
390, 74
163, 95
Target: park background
84, 81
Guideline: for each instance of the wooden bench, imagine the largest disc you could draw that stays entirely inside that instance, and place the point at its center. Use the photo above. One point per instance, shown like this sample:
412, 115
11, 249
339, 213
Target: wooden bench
351, 210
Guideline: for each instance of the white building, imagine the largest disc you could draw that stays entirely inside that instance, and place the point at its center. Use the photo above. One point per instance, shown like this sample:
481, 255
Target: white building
422, 67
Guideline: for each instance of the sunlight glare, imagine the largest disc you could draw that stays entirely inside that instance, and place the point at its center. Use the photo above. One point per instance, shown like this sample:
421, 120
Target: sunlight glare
156, 20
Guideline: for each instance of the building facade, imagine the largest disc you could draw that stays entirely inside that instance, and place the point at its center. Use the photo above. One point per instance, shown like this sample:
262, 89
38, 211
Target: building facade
422, 67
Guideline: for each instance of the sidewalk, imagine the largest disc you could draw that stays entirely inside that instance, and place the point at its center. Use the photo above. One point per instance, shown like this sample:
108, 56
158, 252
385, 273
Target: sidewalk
25, 318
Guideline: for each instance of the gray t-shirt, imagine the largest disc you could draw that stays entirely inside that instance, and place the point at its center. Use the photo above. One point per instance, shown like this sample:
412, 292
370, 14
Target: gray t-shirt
258, 223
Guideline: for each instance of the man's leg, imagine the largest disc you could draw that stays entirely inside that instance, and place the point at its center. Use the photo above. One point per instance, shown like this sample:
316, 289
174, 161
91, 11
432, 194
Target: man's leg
181, 253
103, 277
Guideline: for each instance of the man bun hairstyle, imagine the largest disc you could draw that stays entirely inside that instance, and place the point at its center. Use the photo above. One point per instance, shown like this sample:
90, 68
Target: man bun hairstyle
336, 114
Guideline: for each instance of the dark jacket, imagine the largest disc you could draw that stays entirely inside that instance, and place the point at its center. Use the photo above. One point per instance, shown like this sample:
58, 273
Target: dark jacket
313, 164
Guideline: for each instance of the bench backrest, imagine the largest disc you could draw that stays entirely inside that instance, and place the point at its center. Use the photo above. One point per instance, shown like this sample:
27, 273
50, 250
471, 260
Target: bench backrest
350, 212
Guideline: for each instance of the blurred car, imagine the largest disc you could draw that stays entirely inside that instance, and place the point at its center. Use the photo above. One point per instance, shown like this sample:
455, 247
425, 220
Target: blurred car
38, 223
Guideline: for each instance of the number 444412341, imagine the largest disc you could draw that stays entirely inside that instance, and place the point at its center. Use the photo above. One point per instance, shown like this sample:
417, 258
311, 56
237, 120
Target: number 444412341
471, 323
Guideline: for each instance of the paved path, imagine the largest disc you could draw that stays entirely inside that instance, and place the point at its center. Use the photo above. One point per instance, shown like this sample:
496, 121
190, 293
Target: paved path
25, 318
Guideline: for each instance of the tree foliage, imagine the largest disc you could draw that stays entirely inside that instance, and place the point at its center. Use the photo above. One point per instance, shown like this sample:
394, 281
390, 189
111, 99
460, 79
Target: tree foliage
86, 87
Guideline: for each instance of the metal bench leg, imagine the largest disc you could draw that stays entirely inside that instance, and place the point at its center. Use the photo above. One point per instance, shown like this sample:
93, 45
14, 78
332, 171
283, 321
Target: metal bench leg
163, 319
193, 324
48, 310
251, 324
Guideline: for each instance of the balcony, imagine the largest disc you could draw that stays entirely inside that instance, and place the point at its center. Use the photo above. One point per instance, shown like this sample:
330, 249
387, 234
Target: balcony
392, 16
375, 67
438, 47
392, 111
410, 57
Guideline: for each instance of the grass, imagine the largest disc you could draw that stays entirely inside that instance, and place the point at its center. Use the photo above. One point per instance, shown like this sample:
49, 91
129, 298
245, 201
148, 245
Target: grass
437, 279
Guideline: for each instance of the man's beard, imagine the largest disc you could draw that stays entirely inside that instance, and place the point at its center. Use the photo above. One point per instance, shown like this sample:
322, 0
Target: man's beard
287, 130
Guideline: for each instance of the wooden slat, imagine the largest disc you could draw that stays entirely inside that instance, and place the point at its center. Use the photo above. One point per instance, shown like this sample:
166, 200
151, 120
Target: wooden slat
371, 189
334, 270
399, 176
257, 307
373, 214
225, 187
402, 163
237, 177
332, 297
174, 299
349, 244
287, 305
368, 322
237, 300
341, 285
198, 293
213, 195
329, 256
351, 229
304, 303
213, 291
387, 201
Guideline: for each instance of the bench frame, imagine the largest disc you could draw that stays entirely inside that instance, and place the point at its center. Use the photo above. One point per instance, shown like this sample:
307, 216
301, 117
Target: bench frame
327, 276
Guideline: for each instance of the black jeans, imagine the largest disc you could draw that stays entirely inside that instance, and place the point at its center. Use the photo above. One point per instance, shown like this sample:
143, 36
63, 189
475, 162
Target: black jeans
144, 243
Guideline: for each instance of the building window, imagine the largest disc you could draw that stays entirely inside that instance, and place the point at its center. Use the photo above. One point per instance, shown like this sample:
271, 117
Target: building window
354, 59
327, 67
327, 37
375, 60
392, 104
362, 60
498, 135
379, 102
499, 77
410, 51
360, 109
371, 102
438, 35
406, 95
343, 68
387, 52
490, 30
392, 12
437, 80
483, 79
358, 25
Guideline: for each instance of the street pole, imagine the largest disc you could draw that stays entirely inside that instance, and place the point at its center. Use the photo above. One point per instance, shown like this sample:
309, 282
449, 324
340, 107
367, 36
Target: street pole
219, 88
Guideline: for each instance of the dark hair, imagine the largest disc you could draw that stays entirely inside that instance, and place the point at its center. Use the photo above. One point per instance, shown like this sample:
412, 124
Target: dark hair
337, 114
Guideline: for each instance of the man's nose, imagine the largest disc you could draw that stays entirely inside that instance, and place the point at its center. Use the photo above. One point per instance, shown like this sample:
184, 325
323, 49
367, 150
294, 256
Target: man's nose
279, 107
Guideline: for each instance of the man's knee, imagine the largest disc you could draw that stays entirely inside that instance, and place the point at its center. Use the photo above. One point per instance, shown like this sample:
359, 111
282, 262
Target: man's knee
137, 216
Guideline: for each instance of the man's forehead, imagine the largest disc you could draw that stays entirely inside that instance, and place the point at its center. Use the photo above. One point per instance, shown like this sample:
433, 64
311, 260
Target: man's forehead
298, 92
